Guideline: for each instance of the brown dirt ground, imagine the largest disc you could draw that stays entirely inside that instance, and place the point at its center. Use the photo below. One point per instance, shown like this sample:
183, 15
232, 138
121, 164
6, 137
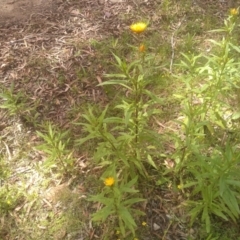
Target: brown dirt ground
17, 10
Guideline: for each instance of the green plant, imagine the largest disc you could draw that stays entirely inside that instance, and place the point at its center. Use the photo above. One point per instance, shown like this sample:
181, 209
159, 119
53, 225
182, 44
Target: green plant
10, 197
118, 200
55, 145
4, 169
14, 102
207, 160
125, 144
123, 140
215, 179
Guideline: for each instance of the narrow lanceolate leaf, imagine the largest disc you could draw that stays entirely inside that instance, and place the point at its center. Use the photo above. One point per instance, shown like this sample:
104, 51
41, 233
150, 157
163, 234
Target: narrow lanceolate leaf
195, 211
127, 218
118, 59
230, 200
131, 183
216, 209
122, 83
102, 116
233, 182
151, 162
236, 48
101, 199
122, 227
113, 120
85, 139
206, 218
102, 214
132, 201
115, 76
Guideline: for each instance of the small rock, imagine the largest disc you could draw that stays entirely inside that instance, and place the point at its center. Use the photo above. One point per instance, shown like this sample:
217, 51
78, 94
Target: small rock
156, 227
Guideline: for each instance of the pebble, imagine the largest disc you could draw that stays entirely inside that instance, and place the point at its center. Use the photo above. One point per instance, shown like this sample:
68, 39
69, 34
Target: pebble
156, 227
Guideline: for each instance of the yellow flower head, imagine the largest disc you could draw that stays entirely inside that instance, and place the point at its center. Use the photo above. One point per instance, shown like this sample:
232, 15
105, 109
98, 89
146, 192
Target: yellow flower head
138, 27
180, 186
109, 181
142, 48
144, 223
233, 11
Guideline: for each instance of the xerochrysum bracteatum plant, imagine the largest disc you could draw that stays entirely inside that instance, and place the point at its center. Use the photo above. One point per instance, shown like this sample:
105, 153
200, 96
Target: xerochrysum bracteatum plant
117, 206
207, 159
125, 144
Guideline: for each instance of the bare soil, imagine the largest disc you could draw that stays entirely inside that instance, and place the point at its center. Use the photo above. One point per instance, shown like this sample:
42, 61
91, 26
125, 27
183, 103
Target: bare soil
15, 10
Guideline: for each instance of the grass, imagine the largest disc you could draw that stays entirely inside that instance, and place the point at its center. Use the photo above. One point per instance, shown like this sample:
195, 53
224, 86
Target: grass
61, 97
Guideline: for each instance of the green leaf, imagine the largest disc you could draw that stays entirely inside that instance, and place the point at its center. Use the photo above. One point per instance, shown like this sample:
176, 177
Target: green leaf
116, 120
233, 182
230, 200
102, 214
195, 211
189, 184
226, 210
115, 75
83, 140
222, 185
122, 83
102, 116
235, 47
125, 215
139, 212
133, 64
206, 218
178, 96
128, 186
122, 227
101, 199
118, 59
236, 116
151, 162
217, 210
132, 201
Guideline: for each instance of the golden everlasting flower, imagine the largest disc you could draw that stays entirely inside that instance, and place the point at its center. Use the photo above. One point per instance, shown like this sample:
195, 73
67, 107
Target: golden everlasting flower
180, 186
142, 48
138, 27
109, 181
233, 11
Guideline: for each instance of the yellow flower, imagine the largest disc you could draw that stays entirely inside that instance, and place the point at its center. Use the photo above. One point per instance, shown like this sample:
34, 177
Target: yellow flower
233, 11
180, 186
142, 48
109, 181
144, 223
138, 27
